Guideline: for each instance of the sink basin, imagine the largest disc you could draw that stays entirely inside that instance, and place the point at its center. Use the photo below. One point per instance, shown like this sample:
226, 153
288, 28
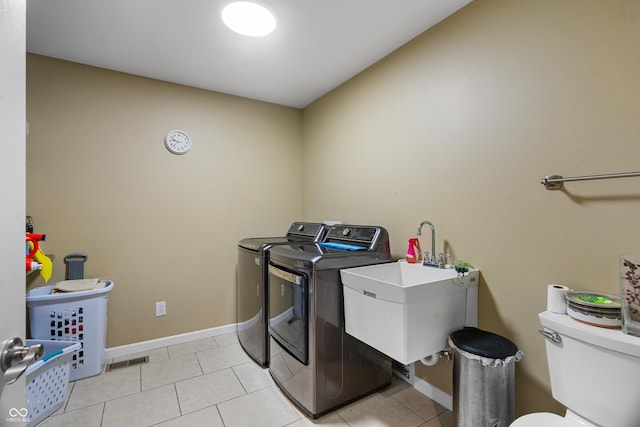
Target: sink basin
407, 311
403, 282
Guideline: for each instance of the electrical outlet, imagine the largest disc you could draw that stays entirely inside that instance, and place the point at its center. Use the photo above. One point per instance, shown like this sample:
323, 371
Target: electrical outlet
161, 308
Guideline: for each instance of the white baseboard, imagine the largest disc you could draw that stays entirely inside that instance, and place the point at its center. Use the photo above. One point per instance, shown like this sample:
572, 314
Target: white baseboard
434, 393
143, 346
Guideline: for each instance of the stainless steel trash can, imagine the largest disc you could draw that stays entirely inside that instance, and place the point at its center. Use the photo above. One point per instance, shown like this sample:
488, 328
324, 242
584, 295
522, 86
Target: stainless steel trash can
483, 378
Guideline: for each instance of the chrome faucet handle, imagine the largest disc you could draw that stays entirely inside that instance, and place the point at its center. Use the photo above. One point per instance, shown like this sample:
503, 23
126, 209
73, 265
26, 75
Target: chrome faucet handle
426, 260
441, 259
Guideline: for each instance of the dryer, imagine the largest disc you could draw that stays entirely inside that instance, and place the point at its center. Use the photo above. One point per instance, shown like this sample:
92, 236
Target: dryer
312, 358
252, 291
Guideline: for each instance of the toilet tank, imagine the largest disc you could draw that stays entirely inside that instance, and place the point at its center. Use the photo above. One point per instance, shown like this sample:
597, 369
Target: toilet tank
594, 372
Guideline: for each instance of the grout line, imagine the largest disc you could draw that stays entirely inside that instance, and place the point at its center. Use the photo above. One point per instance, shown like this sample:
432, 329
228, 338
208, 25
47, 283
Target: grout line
195, 353
238, 378
175, 389
104, 409
64, 406
220, 415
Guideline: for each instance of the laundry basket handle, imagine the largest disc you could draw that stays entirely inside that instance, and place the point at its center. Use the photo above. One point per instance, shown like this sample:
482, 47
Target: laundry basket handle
78, 255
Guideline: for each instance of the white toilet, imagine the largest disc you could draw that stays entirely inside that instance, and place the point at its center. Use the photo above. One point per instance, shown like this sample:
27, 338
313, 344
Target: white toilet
595, 373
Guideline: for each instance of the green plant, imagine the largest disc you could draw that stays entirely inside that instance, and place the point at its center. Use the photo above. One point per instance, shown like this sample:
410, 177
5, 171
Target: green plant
462, 267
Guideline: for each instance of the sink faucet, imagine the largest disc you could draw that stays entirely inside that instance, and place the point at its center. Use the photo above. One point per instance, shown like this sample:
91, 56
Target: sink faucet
432, 261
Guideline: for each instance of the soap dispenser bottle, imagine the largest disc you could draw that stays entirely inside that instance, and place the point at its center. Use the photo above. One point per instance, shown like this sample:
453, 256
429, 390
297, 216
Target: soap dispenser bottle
413, 250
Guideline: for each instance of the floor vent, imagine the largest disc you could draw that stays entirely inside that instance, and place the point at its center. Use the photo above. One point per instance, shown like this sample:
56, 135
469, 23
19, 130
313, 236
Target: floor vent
126, 363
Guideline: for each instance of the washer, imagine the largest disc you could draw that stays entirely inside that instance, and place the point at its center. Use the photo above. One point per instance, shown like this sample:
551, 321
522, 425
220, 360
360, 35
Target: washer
312, 359
253, 260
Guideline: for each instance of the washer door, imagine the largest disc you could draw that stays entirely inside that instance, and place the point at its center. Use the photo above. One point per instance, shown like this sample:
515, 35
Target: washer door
288, 311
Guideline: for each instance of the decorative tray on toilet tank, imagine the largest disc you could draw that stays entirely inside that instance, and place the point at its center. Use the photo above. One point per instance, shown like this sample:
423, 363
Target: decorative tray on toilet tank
407, 311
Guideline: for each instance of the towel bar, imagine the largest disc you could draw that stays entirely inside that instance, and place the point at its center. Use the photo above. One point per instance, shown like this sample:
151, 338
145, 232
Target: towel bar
555, 182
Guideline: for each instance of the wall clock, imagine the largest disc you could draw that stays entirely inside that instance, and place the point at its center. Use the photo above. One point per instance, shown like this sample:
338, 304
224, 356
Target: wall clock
177, 141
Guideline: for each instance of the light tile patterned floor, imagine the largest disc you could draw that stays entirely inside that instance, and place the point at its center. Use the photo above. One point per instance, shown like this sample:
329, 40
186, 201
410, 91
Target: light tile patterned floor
212, 382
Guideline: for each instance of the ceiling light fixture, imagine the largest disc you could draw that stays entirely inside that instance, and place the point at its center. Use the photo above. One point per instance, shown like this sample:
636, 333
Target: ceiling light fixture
248, 18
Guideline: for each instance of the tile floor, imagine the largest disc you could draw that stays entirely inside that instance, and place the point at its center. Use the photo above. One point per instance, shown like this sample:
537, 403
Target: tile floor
212, 382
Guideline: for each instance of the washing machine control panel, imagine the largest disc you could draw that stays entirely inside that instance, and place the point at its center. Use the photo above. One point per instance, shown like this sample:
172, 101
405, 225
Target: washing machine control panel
361, 235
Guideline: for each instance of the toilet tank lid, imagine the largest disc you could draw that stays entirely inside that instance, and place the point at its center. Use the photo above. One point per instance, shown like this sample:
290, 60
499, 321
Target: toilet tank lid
613, 339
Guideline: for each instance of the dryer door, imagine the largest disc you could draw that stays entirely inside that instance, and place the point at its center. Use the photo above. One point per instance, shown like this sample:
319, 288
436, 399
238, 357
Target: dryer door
252, 326
288, 311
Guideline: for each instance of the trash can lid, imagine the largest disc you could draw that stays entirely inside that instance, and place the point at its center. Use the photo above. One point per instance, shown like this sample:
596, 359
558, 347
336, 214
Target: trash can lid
483, 343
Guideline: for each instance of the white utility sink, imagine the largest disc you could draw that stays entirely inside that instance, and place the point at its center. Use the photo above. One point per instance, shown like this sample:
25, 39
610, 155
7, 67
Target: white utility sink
407, 311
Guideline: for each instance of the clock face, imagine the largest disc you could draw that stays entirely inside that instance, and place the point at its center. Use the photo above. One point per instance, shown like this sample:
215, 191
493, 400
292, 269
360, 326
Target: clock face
178, 142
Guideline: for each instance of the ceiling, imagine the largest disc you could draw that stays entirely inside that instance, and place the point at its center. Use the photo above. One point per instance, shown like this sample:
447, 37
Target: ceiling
317, 45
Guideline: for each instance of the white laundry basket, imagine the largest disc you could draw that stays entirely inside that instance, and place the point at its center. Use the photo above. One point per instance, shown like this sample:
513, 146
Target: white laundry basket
48, 379
73, 316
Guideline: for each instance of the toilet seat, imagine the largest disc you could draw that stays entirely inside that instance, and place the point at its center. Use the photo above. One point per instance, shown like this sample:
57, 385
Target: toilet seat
548, 419
538, 419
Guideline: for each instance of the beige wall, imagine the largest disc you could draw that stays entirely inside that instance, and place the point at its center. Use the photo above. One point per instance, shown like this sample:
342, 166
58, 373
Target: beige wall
163, 227
458, 127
